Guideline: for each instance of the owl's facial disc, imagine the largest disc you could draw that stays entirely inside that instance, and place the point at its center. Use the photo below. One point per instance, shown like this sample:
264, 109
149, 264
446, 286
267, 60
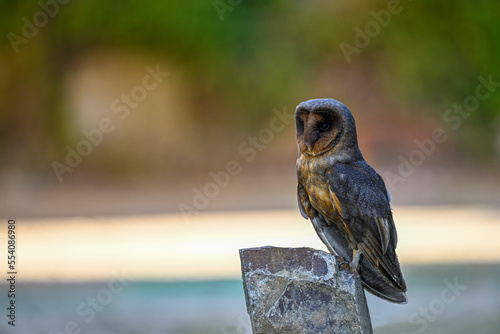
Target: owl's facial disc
317, 131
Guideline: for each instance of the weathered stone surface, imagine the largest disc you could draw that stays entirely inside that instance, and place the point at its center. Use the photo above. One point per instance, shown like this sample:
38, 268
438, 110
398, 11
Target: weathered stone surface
298, 291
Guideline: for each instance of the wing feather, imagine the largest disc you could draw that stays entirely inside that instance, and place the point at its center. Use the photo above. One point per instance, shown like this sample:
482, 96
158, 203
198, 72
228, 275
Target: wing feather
362, 200
384, 231
304, 203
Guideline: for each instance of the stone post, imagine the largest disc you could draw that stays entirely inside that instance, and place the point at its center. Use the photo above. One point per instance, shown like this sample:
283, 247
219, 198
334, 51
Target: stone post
299, 291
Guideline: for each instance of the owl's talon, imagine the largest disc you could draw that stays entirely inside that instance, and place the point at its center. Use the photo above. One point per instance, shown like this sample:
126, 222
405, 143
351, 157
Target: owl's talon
344, 265
340, 263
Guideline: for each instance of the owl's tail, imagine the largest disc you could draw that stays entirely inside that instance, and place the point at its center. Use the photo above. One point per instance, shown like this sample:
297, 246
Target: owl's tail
386, 284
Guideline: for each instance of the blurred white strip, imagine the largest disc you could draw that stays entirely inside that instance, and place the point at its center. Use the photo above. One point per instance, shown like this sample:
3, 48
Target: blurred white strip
166, 247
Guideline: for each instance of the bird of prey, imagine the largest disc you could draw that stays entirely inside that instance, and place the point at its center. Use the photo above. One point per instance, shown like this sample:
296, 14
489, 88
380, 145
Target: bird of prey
345, 198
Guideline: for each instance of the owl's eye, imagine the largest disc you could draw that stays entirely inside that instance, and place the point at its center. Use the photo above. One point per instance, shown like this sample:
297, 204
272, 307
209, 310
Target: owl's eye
323, 126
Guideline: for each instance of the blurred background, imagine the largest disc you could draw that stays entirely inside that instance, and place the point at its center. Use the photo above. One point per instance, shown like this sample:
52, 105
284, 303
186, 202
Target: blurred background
157, 137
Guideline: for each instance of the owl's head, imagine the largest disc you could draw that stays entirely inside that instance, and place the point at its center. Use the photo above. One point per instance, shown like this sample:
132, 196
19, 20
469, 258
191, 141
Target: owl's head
326, 125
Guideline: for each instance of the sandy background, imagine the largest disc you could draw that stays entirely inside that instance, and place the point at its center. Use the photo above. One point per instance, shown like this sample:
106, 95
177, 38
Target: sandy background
205, 246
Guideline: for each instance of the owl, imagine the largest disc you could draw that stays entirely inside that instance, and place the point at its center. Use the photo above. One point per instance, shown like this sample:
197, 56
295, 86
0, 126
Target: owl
345, 198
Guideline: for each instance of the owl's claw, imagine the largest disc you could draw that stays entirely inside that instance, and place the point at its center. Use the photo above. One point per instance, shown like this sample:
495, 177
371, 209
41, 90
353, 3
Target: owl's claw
340, 263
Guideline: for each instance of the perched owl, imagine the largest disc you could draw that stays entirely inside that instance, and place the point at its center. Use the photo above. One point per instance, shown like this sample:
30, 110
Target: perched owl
344, 197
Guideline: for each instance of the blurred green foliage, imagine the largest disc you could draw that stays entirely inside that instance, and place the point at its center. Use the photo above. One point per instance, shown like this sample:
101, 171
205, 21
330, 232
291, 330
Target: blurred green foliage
261, 55
439, 50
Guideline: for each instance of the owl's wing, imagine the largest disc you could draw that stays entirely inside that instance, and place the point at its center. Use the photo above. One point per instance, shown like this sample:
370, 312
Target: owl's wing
332, 236
359, 195
305, 207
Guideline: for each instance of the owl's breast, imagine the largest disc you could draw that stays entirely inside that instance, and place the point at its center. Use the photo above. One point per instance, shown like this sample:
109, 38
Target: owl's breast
312, 176
320, 199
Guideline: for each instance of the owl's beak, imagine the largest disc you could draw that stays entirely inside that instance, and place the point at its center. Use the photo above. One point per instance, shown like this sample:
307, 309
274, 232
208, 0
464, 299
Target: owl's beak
309, 141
